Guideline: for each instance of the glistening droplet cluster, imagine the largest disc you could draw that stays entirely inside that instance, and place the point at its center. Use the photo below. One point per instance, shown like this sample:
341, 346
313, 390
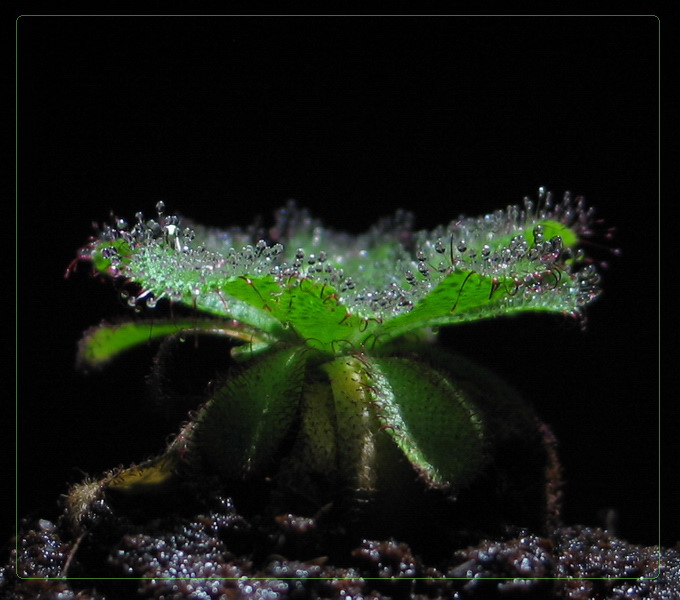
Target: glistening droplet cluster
520, 253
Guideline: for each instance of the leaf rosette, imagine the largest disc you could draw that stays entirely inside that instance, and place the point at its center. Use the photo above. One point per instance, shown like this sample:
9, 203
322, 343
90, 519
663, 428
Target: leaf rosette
333, 291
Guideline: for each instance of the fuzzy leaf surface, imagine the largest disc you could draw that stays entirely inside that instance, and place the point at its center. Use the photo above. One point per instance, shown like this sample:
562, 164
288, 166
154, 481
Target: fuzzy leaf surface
431, 420
240, 429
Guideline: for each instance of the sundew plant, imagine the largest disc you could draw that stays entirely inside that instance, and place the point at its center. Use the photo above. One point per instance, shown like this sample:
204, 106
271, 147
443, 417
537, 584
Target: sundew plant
339, 390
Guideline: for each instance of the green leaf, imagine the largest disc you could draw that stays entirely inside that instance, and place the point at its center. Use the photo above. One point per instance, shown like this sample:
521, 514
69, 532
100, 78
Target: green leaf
429, 419
191, 278
356, 426
313, 311
432, 420
280, 308
522, 271
239, 431
468, 296
103, 343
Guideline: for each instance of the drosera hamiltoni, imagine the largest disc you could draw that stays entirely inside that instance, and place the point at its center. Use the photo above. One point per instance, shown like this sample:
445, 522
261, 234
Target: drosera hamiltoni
342, 396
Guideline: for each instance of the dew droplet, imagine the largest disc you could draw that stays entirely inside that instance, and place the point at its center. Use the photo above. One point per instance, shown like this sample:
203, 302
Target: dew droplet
156, 228
538, 234
557, 243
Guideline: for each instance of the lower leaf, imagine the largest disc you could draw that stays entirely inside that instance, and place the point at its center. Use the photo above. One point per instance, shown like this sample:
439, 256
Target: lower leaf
242, 426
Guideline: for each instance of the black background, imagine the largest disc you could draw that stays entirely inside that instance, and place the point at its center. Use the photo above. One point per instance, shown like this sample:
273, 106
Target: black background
224, 118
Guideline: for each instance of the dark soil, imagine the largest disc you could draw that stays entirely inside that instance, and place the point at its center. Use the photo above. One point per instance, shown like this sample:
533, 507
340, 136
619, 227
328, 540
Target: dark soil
219, 553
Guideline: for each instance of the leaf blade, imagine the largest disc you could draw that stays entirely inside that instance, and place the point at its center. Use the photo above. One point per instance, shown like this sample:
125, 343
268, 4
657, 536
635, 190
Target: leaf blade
239, 430
103, 343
